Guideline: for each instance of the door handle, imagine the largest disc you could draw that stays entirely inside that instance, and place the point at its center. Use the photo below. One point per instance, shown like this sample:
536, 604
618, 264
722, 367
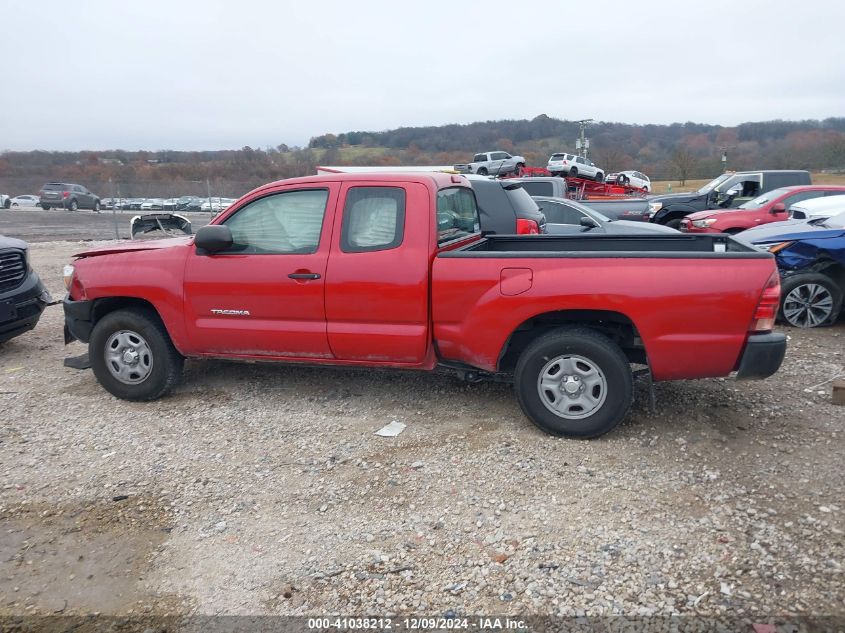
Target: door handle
304, 275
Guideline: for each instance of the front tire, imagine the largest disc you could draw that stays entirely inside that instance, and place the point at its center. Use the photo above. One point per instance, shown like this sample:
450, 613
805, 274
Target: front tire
810, 300
132, 355
574, 382
482, 171
96, 206
46, 207
599, 177
74, 205
674, 223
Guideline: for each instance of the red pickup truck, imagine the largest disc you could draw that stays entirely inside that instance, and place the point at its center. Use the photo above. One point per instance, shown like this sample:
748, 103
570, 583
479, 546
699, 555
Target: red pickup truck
391, 270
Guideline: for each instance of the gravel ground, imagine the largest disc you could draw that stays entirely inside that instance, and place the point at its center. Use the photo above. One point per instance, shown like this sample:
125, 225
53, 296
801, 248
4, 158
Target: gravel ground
261, 489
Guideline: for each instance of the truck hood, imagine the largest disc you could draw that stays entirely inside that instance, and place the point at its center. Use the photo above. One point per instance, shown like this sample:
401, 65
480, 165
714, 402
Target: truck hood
789, 230
712, 213
676, 197
143, 245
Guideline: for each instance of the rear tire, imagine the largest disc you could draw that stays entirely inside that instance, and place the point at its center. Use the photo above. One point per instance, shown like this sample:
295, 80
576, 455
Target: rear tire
573, 173
809, 300
74, 205
46, 207
132, 355
574, 382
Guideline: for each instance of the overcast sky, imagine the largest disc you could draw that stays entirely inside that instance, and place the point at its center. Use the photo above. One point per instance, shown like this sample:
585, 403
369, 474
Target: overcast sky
150, 74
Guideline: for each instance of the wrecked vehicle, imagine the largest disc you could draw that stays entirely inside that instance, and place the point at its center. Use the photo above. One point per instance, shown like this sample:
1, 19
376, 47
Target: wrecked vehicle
810, 255
166, 223
22, 295
391, 270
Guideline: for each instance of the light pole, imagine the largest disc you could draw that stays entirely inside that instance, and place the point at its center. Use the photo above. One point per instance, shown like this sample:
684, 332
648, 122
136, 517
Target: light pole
583, 143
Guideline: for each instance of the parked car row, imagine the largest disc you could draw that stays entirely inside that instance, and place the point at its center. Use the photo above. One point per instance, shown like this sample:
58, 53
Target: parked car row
71, 197
184, 203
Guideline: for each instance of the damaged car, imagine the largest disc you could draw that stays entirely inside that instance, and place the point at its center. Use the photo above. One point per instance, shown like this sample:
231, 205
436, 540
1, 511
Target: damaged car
810, 256
167, 224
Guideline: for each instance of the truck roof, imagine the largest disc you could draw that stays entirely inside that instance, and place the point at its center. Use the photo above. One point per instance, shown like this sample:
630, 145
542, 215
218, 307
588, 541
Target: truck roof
438, 180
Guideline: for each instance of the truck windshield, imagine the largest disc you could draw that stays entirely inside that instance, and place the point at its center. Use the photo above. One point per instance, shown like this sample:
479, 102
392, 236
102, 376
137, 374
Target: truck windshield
457, 214
710, 186
760, 201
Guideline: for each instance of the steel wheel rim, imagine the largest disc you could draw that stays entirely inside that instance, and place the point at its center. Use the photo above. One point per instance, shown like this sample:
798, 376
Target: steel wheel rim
128, 357
572, 387
808, 305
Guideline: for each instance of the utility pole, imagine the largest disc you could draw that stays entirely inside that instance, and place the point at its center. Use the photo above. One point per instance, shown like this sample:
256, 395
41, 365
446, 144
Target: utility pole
114, 211
724, 150
583, 143
208, 190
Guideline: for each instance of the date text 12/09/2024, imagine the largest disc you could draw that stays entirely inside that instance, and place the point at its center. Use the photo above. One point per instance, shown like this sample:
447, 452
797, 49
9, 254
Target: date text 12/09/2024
417, 623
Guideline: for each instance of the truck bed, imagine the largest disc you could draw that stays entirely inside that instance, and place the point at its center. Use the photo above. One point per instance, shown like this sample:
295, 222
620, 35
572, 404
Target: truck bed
690, 300
674, 246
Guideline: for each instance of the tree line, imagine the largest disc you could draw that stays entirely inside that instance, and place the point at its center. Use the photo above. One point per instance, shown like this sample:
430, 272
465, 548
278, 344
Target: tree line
664, 152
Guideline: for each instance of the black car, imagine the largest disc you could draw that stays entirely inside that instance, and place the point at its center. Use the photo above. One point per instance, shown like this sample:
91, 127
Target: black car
727, 191
505, 208
67, 196
565, 216
188, 203
22, 295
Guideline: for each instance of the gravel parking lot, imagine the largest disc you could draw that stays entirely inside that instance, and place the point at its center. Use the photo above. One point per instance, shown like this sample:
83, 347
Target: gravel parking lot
262, 489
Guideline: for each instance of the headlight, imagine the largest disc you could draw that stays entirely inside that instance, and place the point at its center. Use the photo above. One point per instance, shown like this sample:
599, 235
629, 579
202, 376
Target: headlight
703, 224
779, 246
67, 275
654, 207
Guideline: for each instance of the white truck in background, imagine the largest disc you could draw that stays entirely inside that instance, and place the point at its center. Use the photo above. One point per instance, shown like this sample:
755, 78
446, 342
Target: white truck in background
492, 164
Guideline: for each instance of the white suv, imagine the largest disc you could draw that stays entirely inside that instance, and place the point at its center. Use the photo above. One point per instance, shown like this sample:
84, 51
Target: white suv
576, 166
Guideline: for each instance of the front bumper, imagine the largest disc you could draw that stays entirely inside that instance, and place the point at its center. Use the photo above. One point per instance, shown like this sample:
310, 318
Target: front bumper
28, 302
78, 320
762, 356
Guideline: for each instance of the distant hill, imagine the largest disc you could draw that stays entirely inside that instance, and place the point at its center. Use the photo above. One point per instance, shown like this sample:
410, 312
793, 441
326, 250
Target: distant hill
664, 152
654, 149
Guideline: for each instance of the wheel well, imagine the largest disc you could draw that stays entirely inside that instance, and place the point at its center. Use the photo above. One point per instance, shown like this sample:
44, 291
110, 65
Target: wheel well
673, 215
615, 325
832, 269
104, 306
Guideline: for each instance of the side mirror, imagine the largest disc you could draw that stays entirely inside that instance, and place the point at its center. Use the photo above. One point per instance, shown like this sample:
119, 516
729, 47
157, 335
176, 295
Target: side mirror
213, 239
590, 223
780, 207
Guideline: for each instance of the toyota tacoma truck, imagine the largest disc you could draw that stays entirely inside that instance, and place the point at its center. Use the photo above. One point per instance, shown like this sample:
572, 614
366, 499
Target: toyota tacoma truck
492, 164
727, 191
392, 270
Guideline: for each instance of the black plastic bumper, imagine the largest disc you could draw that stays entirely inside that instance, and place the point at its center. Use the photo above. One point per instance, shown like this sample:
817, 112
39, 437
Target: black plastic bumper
762, 356
23, 306
78, 320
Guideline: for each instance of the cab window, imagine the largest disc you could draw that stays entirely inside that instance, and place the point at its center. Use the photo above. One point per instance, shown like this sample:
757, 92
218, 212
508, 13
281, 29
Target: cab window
282, 223
457, 214
373, 219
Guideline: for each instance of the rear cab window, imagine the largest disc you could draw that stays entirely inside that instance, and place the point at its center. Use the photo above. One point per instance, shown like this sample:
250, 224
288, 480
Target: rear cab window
373, 219
457, 214
538, 188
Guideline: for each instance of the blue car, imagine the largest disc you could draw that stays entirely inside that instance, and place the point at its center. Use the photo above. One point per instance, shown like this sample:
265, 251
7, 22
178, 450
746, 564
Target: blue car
810, 256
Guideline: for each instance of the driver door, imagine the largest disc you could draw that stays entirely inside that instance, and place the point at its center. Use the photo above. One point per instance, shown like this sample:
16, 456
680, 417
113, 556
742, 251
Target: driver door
265, 296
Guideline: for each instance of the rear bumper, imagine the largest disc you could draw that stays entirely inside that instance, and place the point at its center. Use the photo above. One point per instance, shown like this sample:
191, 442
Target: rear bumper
762, 356
28, 302
78, 320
